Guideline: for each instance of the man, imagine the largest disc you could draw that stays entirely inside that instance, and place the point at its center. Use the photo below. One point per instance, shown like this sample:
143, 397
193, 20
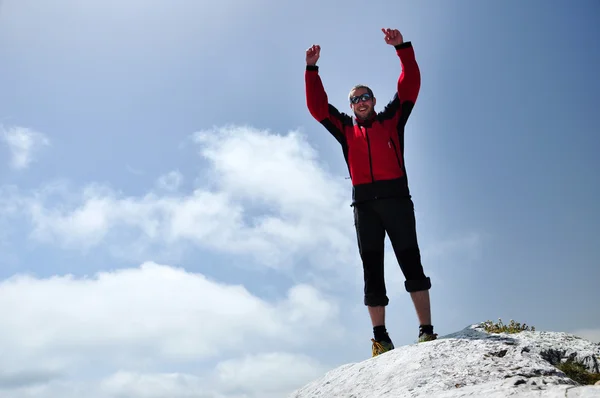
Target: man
373, 147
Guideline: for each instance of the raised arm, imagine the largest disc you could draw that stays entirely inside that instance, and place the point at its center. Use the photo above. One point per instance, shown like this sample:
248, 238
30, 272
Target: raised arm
316, 97
409, 82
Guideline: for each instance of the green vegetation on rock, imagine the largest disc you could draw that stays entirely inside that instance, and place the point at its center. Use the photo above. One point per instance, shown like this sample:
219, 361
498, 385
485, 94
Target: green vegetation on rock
574, 370
500, 327
578, 372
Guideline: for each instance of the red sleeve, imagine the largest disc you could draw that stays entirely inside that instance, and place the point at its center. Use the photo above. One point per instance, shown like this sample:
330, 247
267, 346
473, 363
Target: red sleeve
409, 82
316, 99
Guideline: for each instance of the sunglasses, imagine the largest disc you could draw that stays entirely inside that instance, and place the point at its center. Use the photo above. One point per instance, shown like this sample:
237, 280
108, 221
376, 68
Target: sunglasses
361, 98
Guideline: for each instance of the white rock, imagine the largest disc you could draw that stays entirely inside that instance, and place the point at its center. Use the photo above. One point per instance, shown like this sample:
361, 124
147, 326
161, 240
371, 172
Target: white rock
469, 363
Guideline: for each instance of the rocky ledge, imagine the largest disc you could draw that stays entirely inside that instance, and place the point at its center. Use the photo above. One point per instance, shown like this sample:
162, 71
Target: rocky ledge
471, 362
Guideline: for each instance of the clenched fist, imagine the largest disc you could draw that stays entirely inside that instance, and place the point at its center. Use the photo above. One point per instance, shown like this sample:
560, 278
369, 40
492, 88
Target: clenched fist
312, 54
393, 37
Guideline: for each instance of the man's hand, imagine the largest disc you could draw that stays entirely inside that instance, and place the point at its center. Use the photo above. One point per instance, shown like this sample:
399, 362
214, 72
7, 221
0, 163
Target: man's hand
312, 54
393, 37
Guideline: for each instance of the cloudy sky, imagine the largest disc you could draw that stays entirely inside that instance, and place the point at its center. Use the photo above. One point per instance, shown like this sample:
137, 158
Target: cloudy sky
174, 223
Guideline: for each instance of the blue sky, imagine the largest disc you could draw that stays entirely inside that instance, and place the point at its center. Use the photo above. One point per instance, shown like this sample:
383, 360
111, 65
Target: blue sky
169, 206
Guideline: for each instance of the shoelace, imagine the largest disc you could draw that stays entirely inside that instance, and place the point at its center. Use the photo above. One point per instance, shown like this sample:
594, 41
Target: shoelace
377, 347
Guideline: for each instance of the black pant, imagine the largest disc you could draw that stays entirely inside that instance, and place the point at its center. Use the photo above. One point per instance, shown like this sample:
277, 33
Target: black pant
372, 220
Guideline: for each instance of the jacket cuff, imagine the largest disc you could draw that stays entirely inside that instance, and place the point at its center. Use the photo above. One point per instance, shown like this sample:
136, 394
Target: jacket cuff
312, 67
406, 44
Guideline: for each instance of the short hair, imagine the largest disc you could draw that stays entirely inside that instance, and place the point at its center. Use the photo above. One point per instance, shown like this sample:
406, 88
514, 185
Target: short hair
360, 86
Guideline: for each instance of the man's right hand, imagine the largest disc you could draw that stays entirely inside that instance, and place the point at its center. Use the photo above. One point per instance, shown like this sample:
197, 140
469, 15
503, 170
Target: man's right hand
312, 54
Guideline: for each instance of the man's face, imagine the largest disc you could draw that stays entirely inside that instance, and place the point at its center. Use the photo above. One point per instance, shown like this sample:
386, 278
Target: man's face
362, 103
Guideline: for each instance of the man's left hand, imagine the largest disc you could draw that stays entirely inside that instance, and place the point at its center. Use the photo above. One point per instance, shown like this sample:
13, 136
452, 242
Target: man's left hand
393, 37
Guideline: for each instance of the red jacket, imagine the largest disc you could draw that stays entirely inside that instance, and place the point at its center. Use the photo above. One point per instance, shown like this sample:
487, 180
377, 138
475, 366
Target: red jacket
373, 149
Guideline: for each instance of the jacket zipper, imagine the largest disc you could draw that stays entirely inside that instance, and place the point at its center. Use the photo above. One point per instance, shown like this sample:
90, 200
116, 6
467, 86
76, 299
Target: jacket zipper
370, 159
396, 152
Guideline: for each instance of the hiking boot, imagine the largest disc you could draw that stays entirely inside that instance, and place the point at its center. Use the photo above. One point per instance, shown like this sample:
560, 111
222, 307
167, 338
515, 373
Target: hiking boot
426, 333
423, 337
379, 347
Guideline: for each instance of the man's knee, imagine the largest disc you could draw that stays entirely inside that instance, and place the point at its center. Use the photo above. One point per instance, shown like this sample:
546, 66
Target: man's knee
416, 280
372, 259
373, 268
410, 259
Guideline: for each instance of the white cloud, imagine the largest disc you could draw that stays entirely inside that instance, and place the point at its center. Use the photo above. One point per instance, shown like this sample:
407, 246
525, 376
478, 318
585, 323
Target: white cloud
155, 315
128, 384
264, 195
126, 310
272, 169
267, 374
23, 144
